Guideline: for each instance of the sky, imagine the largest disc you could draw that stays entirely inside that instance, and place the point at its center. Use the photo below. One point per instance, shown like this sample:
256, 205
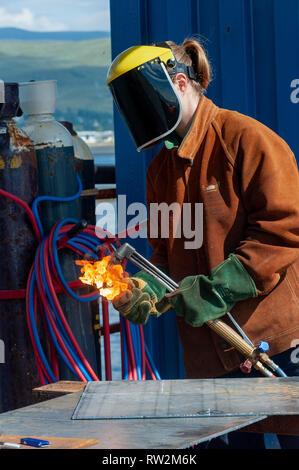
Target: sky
55, 15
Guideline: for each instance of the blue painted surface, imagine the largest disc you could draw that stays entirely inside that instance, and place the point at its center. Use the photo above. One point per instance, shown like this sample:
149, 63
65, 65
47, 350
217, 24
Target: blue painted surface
253, 46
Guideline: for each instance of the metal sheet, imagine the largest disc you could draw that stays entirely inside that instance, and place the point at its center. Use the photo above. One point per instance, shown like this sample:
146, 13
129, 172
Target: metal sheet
188, 398
53, 418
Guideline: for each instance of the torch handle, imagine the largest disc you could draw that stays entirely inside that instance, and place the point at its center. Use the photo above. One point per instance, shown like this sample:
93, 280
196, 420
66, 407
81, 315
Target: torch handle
235, 340
231, 336
244, 346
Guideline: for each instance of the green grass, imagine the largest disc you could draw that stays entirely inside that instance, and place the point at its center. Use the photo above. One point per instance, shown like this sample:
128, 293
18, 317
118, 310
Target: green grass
80, 69
62, 54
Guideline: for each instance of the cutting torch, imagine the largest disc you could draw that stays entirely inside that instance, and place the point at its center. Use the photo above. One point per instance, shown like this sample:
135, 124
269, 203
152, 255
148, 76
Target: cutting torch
254, 355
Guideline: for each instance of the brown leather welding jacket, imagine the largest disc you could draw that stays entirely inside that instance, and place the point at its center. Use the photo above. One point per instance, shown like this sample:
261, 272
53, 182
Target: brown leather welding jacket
246, 176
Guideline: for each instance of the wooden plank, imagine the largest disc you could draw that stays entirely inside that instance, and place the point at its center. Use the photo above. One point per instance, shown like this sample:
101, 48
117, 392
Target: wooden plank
57, 389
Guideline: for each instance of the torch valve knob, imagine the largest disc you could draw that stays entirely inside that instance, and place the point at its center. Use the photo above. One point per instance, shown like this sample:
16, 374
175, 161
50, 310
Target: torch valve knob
246, 367
262, 346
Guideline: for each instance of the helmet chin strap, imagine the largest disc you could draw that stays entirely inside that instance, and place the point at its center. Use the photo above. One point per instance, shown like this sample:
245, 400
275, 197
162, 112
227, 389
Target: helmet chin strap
162, 44
179, 67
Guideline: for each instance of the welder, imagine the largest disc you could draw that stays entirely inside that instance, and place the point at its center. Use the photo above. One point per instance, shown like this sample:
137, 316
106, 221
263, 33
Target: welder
246, 176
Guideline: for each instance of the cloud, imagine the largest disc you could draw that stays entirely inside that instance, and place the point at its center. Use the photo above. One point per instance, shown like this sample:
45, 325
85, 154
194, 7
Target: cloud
97, 21
25, 19
56, 15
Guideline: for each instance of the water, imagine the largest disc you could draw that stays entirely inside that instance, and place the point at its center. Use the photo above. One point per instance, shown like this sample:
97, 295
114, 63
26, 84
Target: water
104, 159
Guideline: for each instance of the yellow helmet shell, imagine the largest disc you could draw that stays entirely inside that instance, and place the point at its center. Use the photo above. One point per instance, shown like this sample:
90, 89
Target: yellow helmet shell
136, 56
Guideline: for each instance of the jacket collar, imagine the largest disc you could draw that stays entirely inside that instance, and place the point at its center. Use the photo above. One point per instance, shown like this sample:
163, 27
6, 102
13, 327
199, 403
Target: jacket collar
203, 116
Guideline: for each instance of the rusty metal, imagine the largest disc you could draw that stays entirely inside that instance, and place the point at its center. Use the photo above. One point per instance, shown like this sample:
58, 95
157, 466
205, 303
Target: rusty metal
18, 175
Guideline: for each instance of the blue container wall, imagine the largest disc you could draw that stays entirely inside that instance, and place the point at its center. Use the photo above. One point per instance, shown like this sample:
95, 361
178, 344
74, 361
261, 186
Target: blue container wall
253, 46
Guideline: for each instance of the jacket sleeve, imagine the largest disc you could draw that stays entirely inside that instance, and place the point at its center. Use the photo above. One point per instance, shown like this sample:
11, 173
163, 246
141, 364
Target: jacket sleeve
269, 187
159, 256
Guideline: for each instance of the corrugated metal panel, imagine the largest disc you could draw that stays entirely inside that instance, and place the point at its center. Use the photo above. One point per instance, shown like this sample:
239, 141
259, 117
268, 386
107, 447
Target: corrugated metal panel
253, 46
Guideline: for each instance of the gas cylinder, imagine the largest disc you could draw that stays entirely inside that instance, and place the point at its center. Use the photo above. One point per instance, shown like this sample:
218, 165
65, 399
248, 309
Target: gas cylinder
54, 151
85, 167
18, 175
57, 177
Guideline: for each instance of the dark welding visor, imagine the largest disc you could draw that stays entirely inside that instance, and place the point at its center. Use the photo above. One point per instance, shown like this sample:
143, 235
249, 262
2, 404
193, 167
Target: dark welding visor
148, 102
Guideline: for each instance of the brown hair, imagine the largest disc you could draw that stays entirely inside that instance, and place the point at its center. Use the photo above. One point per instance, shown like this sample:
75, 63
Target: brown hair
191, 52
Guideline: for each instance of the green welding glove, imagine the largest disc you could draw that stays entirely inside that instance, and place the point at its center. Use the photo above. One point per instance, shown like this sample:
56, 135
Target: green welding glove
203, 298
140, 302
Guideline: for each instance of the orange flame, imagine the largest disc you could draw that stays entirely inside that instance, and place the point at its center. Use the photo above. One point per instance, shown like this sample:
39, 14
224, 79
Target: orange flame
110, 280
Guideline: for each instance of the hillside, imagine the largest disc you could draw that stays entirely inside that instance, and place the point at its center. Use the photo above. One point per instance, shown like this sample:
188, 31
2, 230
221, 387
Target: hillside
24, 35
80, 68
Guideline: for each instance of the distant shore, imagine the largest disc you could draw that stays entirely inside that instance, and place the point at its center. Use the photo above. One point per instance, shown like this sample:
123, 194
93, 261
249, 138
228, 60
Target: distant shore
102, 149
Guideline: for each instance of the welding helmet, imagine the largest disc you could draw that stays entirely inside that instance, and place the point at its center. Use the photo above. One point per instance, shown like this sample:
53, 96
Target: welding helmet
140, 83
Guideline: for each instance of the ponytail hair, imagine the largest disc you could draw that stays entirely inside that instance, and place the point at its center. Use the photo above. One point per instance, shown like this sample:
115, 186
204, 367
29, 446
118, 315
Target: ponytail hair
191, 52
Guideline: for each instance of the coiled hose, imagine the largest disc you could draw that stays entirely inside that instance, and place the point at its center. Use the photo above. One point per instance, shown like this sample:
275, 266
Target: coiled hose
46, 279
